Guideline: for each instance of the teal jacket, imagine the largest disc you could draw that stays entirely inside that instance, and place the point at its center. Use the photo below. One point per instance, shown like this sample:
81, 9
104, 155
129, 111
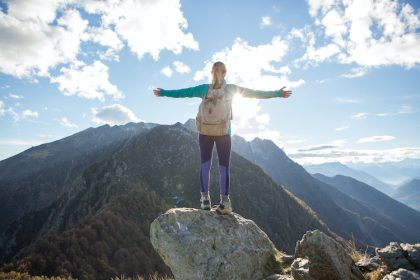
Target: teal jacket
230, 91
201, 90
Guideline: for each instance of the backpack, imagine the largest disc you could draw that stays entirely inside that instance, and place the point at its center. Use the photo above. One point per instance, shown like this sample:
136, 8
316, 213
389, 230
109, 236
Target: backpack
215, 112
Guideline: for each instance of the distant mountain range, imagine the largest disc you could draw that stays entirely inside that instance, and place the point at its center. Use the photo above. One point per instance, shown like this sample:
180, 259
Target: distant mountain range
375, 199
335, 168
409, 193
83, 205
395, 173
344, 214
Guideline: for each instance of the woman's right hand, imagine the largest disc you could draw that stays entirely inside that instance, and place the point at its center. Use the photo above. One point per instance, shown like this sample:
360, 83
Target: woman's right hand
156, 91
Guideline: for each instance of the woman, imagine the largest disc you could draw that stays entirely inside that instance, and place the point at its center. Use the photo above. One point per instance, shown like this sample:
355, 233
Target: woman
217, 93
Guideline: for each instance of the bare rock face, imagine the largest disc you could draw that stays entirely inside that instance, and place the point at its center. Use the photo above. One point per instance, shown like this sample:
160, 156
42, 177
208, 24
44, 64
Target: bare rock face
402, 274
413, 253
394, 257
198, 244
327, 258
300, 269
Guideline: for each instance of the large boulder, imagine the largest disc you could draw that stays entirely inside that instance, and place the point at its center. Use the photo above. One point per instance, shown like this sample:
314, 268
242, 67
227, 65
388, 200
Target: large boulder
300, 269
412, 251
198, 244
367, 264
327, 258
402, 274
394, 257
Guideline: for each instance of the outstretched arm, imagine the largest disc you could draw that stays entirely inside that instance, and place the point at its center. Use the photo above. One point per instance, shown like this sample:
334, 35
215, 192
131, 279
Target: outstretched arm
246, 92
198, 91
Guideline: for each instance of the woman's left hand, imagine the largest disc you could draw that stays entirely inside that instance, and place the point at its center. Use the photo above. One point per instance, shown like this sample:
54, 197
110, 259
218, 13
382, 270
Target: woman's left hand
285, 93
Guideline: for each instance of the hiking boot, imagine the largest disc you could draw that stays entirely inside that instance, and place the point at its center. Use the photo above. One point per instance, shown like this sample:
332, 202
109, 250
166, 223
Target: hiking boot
205, 201
225, 206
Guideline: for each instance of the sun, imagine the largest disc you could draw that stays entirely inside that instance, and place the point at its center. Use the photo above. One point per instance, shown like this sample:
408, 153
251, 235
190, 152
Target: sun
244, 110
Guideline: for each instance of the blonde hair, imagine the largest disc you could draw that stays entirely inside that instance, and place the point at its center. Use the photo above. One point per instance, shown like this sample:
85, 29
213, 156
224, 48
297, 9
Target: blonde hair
219, 72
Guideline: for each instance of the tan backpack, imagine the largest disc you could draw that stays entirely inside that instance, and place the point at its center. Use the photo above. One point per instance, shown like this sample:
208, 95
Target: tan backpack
215, 112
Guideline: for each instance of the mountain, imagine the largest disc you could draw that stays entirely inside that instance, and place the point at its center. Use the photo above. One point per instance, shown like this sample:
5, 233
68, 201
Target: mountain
343, 214
402, 214
335, 168
409, 193
392, 172
36, 177
99, 227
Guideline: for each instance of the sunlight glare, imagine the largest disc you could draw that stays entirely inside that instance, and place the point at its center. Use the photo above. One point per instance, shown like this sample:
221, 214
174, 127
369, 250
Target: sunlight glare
244, 110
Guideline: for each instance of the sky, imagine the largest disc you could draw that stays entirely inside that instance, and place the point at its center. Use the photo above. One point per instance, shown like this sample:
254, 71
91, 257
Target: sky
353, 67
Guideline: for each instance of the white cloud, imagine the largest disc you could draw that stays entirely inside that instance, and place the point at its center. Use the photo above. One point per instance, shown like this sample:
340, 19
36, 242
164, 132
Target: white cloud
40, 36
136, 22
356, 72
31, 45
87, 81
257, 70
320, 5
14, 96
181, 67
17, 116
29, 114
320, 54
107, 38
369, 33
374, 139
297, 33
384, 114
341, 128
334, 144
66, 123
2, 108
167, 71
360, 116
353, 155
115, 114
266, 133
405, 109
265, 21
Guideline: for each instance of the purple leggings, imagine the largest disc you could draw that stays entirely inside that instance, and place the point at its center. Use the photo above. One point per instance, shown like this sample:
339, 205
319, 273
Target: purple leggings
223, 147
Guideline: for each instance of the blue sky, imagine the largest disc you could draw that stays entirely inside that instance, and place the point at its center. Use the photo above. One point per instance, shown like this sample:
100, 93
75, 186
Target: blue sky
353, 67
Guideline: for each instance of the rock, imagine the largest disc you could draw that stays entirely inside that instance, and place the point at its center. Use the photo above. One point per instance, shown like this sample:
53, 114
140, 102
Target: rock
412, 253
198, 244
402, 274
278, 277
394, 257
287, 260
327, 258
300, 269
366, 264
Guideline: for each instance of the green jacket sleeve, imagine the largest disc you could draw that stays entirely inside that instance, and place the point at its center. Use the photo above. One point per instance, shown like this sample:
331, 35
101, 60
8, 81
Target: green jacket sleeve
198, 91
261, 94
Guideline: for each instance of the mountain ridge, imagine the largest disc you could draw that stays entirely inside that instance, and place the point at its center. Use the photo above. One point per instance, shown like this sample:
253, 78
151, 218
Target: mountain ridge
153, 171
344, 215
409, 193
337, 168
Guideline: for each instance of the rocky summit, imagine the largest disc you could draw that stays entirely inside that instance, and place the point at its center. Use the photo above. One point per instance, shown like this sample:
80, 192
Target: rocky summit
327, 259
198, 244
